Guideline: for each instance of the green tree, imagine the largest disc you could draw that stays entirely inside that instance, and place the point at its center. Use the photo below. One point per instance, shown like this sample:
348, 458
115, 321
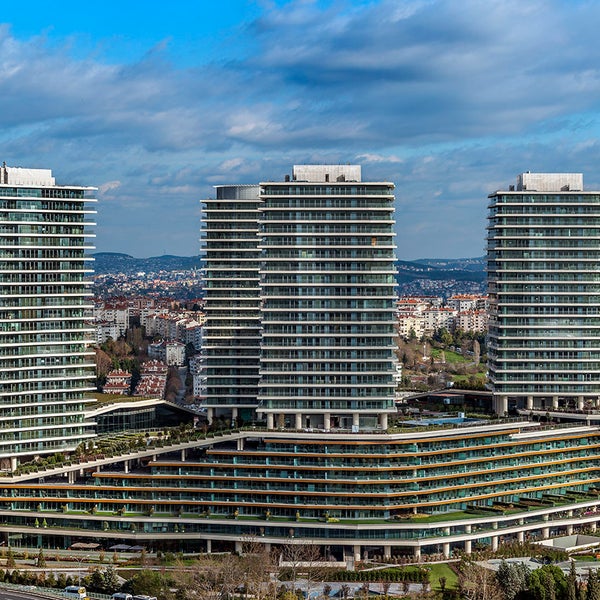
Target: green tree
41, 559
147, 582
512, 578
593, 586
10, 559
445, 337
547, 583
572, 587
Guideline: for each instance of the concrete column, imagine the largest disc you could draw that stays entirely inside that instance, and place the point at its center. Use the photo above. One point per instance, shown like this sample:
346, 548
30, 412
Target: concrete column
210, 414
208, 546
357, 555
569, 529
298, 420
579, 402
355, 419
494, 543
383, 420
593, 525
270, 424
545, 533
529, 405
468, 547
520, 536
238, 547
446, 549
387, 552
570, 513
240, 444
500, 405
13, 463
417, 553
71, 477
554, 401
183, 455
126, 466
446, 530
468, 528
234, 414
327, 421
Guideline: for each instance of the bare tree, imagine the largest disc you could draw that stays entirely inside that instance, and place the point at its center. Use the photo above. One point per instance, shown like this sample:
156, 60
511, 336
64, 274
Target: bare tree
303, 559
478, 583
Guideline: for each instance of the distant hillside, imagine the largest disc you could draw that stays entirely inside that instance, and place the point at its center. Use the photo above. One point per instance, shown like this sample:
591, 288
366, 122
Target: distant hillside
462, 269
114, 262
425, 269
465, 264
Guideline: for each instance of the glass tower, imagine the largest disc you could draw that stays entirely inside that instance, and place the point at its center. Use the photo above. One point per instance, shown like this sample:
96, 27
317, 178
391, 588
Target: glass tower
544, 285
231, 334
327, 279
46, 366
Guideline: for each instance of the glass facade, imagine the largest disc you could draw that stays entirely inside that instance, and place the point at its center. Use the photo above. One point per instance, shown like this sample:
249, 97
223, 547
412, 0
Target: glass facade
231, 334
327, 278
544, 285
46, 366
300, 301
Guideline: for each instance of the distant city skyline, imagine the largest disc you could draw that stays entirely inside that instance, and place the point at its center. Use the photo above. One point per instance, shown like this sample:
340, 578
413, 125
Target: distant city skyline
447, 100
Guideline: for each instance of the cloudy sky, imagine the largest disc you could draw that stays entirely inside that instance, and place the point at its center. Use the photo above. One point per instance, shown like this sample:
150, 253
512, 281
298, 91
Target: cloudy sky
154, 103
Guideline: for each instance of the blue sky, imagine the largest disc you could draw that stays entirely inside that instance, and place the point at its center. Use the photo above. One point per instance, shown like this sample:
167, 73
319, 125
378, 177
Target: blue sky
154, 103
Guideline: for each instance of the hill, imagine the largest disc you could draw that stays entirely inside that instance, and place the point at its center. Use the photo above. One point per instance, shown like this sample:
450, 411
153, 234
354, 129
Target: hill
114, 262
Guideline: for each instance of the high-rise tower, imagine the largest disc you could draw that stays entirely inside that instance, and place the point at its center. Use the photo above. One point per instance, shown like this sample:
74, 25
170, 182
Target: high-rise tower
46, 366
325, 260
544, 285
231, 339
327, 279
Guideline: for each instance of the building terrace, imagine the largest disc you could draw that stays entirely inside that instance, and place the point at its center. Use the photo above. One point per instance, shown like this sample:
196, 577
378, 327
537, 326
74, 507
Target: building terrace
430, 490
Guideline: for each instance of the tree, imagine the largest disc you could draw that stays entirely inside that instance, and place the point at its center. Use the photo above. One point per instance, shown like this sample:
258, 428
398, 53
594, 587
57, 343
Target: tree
512, 578
593, 586
547, 583
10, 559
41, 559
478, 583
476, 352
445, 337
149, 583
306, 557
572, 587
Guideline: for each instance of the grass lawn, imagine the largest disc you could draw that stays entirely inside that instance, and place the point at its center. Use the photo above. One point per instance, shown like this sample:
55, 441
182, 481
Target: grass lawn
451, 357
442, 570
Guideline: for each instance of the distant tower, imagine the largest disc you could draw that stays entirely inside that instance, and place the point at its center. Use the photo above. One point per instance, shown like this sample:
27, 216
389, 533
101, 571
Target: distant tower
544, 286
46, 364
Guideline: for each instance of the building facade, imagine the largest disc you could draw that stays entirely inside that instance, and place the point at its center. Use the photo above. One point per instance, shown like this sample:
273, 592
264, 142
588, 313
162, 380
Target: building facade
300, 300
544, 286
231, 337
46, 366
327, 284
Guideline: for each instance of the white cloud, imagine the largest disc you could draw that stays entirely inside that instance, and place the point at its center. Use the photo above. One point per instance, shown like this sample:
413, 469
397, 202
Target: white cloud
109, 186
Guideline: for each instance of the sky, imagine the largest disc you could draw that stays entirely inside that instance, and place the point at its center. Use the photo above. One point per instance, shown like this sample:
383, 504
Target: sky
154, 103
